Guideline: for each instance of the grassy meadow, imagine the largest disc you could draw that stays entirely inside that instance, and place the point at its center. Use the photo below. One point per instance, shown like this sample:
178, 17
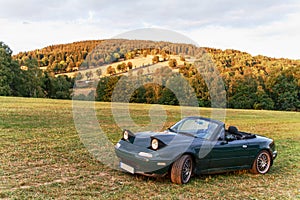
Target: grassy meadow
42, 157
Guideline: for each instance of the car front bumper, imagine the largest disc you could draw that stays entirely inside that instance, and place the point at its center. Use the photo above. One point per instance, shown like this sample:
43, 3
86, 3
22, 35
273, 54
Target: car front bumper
138, 160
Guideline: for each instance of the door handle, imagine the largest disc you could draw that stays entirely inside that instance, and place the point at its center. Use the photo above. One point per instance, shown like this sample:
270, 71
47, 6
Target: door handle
244, 146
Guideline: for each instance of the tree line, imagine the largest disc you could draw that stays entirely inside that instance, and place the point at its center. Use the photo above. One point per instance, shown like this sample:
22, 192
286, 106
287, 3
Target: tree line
279, 92
26, 79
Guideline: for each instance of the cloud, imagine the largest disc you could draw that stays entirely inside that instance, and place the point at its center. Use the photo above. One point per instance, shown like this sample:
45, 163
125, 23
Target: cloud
163, 12
34, 35
277, 39
215, 23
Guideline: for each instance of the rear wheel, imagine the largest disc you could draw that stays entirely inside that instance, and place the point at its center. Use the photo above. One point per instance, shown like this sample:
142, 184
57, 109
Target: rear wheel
262, 163
182, 169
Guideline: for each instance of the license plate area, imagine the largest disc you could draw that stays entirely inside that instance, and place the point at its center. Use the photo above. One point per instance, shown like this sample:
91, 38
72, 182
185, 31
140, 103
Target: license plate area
127, 168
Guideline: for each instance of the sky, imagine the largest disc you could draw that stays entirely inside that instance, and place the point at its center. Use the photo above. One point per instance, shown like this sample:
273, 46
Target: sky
259, 27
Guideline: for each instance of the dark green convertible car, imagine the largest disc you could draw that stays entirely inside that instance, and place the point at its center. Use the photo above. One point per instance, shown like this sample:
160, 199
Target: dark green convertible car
194, 145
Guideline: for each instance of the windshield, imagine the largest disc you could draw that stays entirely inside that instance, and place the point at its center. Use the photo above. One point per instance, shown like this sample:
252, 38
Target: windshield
197, 127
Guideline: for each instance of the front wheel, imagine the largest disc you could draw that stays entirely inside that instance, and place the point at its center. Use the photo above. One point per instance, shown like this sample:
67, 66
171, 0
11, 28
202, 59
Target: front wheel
182, 169
262, 163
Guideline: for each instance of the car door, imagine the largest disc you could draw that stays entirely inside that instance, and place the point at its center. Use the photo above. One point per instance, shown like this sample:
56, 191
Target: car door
229, 154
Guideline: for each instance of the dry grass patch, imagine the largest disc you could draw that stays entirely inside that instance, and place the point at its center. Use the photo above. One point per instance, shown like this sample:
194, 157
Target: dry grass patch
42, 157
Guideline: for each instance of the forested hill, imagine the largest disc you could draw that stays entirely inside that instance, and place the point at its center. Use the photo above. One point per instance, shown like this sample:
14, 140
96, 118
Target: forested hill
64, 58
61, 57
251, 82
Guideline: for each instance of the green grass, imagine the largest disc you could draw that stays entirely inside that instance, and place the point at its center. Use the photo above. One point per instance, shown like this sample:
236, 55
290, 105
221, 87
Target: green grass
42, 157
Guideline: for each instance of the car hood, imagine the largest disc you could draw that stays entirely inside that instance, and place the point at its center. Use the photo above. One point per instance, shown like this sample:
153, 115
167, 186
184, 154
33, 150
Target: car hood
167, 137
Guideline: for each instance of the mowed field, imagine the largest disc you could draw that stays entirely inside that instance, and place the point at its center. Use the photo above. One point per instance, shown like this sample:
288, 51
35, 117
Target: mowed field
42, 156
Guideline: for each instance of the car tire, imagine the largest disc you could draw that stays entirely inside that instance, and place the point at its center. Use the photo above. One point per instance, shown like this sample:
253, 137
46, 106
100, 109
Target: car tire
182, 170
262, 163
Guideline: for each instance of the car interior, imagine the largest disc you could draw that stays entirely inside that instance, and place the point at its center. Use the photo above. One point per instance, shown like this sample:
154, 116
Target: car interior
232, 133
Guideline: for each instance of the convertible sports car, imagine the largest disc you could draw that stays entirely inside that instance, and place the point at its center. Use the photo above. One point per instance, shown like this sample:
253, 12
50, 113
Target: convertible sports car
194, 145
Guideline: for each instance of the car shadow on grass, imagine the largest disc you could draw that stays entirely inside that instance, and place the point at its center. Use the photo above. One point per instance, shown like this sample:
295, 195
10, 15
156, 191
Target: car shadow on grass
200, 178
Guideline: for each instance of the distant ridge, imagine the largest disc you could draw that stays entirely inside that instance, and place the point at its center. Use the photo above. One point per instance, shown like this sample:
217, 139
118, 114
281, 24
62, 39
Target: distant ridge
71, 55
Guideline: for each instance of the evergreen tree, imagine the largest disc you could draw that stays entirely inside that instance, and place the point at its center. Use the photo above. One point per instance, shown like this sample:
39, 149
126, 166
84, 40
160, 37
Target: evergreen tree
32, 80
285, 92
139, 95
61, 87
244, 94
106, 87
168, 97
263, 100
47, 84
6, 75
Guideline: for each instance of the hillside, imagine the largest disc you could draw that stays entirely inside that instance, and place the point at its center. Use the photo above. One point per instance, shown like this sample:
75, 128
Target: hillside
64, 58
251, 82
61, 57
